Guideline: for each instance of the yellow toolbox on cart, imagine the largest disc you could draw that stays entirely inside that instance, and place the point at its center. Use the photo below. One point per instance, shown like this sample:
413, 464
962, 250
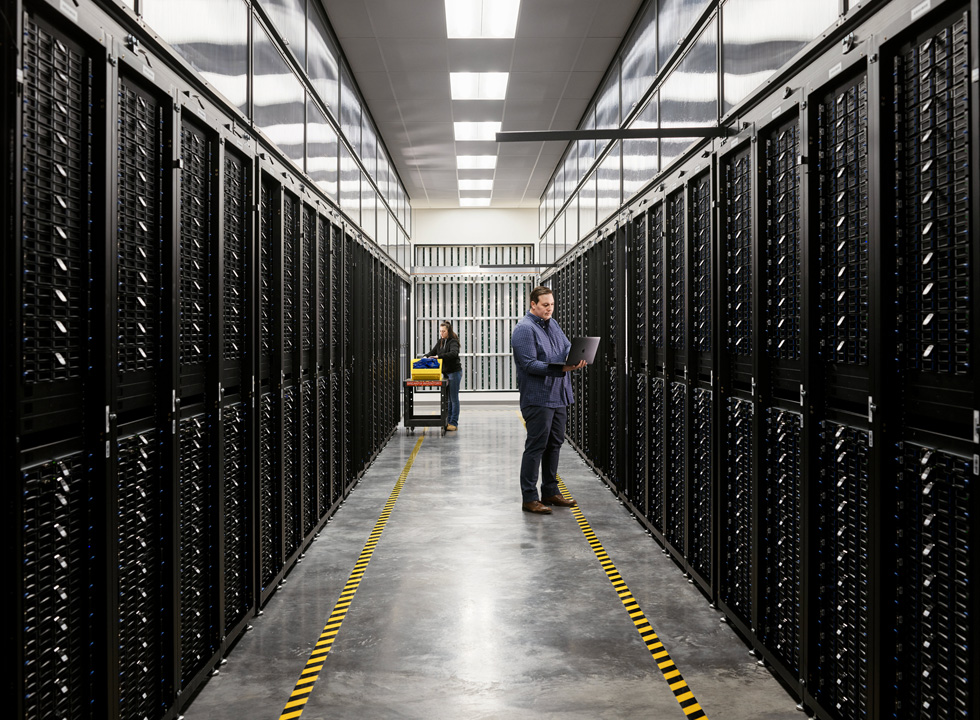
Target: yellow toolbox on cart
427, 373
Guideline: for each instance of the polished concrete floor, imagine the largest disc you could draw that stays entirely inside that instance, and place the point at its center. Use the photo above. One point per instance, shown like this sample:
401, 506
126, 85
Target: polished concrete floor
470, 608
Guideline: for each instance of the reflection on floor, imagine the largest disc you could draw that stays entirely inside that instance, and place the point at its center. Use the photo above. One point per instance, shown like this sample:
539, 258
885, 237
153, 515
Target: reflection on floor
470, 608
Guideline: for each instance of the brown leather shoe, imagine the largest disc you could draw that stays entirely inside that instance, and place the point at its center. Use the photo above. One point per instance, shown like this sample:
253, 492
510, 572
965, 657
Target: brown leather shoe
558, 500
535, 507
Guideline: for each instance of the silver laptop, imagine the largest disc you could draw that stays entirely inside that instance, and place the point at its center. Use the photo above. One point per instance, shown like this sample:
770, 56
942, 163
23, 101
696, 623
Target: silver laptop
583, 348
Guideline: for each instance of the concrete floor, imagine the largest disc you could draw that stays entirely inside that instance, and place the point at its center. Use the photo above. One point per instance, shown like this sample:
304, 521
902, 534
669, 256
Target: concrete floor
470, 608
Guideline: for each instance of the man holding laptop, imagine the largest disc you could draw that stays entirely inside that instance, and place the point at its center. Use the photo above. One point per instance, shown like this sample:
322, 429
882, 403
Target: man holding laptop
544, 357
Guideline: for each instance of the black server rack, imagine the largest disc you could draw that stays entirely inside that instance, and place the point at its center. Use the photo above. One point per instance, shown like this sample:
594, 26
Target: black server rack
174, 326
813, 413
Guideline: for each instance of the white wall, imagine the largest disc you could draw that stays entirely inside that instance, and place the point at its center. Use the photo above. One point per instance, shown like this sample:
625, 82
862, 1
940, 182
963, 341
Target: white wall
475, 226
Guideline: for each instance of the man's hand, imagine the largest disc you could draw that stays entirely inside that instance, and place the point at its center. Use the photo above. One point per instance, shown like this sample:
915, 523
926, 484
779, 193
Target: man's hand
569, 368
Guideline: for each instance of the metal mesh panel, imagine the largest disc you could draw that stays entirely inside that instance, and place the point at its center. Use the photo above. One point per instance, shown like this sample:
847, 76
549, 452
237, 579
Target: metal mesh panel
701, 516
781, 189
195, 247
932, 163
269, 496
142, 601
308, 459
738, 251
738, 551
57, 602
677, 267
324, 428
781, 523
290, 277
701, 263
236, 182
139, 229
197, 639
838, 675
267, 281
308, 285
55, 207
323, 288
237, 519
933, 592
843, 224
656, 450
676, 480
292, 510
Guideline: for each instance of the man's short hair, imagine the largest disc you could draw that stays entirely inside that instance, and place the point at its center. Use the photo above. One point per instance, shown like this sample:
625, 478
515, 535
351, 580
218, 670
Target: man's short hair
538, 292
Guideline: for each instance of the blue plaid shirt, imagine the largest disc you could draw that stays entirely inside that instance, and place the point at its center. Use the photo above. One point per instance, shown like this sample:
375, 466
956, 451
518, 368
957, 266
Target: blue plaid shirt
536, 343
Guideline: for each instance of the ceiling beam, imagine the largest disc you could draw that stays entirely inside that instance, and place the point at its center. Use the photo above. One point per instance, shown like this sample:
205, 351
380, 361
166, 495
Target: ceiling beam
615, 134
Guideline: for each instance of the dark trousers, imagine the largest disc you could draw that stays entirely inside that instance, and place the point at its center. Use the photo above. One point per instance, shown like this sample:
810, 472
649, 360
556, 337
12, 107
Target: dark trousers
545, 436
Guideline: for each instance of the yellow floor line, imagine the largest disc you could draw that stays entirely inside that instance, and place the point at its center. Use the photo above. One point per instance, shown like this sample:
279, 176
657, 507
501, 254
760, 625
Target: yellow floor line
682, 693
307, 678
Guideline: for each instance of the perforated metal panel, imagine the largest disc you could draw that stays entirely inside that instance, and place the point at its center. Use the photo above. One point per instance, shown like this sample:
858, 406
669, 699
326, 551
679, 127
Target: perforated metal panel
738, 550
267, 281
198, 634
195, 251
142, 569
701, 534
658, 427
934, 592
932, 164
308, 458
308, 287
838, 670
677, 268
237, 516
676, 481
57, 601
738, 254
701, 270
56, 212
782, 237
780, 539
139, 232
291, 499
234, 301
843, 224
269, 492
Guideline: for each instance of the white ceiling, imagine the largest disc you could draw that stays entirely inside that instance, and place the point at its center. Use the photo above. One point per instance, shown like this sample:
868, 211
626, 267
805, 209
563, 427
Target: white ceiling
401, 60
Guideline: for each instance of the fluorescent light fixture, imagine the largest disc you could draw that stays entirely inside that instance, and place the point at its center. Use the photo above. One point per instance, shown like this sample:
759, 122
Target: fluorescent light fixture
474, 202
476, 162
482, 18
476, 131
478, 85
475, 184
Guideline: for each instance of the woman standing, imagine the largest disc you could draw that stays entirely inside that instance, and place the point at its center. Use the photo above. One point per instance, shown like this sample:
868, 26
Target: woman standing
447, 348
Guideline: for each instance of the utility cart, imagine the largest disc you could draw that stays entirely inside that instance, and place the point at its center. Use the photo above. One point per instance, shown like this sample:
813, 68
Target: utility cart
413, 419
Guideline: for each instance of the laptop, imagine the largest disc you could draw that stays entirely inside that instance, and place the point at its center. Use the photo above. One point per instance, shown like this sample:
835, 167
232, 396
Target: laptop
583, 348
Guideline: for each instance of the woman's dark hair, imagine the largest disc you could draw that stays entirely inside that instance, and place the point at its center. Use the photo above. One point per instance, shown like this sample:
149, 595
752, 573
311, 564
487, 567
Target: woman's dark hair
538, 292
449, 330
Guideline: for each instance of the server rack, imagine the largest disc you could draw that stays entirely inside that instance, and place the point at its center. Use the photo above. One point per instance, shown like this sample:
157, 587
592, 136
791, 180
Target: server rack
176, 299
830, 412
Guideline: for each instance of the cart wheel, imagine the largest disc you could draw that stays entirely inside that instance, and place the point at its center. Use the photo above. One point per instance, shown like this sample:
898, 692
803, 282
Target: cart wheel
443, 429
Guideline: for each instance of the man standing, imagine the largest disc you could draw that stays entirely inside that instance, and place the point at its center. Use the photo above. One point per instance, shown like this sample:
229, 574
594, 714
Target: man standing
546, 393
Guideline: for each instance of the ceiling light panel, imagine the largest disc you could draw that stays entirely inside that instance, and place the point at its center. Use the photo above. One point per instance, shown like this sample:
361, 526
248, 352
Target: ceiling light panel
478, 85
476, 162
476, 184
474, 202
482, 18
476, 131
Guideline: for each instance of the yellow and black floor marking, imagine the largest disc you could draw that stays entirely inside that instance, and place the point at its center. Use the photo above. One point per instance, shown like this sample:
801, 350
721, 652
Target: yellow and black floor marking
685, 698
311, 673
672, 675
